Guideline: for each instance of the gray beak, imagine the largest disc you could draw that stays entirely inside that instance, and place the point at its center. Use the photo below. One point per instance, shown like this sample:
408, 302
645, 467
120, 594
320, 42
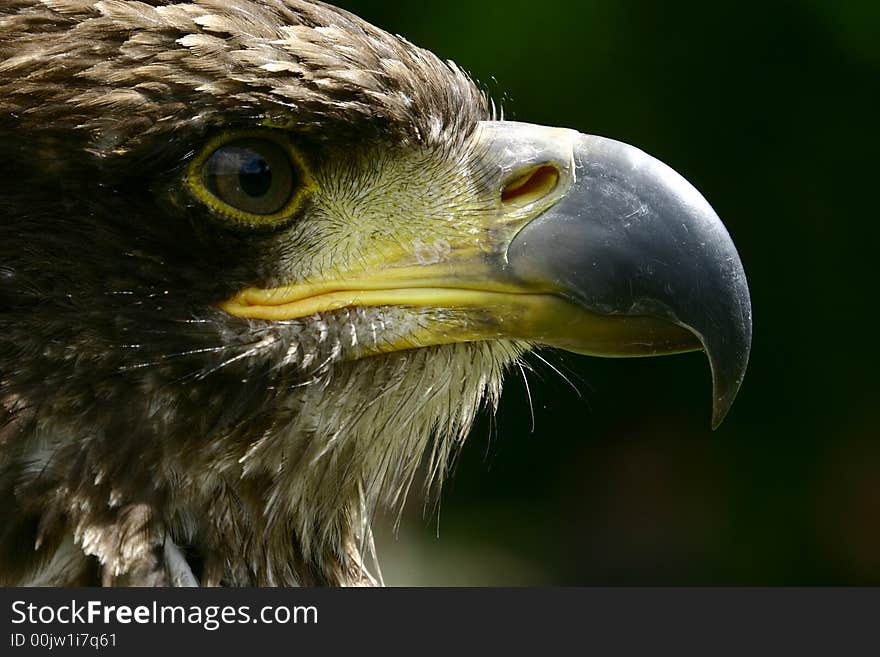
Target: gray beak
631, 238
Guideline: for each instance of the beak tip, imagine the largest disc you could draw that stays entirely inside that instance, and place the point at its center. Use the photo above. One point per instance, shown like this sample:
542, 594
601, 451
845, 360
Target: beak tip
719, 411
722, 406
726, 387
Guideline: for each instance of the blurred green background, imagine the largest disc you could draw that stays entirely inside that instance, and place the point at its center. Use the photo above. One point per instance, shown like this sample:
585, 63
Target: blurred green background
767, 108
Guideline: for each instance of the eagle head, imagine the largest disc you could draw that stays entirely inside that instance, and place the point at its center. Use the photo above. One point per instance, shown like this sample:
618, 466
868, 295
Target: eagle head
260, 259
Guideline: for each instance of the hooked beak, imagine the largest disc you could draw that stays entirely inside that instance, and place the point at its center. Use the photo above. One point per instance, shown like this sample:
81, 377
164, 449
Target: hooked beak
632, 238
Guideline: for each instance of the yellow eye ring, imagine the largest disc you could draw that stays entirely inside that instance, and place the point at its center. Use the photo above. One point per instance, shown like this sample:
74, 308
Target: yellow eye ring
252, 177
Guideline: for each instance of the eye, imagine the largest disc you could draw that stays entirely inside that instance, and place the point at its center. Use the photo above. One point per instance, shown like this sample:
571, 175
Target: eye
257, 180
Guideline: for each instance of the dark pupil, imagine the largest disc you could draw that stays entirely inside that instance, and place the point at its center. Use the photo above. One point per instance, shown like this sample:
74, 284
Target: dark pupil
255, 175
252, 176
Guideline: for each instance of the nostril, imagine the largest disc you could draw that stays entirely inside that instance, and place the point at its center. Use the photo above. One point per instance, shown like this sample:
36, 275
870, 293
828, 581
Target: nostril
531, 186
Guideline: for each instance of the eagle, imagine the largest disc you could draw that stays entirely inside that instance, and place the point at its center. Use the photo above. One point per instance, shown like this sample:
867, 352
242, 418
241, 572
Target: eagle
262, 262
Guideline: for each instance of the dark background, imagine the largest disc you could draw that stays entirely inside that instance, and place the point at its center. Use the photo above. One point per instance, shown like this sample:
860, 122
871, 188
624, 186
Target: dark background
767, 109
